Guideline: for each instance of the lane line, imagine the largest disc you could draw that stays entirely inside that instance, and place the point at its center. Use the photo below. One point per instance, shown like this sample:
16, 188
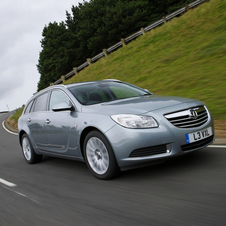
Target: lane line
18, 193
3, 125
216, 146
9, 184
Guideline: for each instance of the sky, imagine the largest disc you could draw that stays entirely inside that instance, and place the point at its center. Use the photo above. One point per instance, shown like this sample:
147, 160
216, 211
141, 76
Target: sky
21, 26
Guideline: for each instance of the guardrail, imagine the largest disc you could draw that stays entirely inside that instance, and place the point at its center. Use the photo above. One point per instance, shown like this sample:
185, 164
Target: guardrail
123, 42
3, 112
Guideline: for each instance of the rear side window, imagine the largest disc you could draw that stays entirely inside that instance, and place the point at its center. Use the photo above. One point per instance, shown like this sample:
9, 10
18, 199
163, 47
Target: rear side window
28, 108
40, 103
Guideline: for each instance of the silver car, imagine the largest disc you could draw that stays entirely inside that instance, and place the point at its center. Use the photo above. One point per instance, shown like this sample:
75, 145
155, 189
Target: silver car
112, 126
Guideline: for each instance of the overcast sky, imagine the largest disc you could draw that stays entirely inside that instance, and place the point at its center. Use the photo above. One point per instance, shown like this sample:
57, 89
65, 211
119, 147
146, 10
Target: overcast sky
22, 22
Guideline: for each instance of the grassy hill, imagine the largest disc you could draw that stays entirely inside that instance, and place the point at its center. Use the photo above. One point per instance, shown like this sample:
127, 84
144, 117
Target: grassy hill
185, 57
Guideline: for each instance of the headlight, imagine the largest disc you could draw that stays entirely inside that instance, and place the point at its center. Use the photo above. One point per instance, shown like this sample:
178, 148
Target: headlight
135, 121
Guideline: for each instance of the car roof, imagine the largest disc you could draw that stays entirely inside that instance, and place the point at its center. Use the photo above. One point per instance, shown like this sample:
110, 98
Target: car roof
90, 82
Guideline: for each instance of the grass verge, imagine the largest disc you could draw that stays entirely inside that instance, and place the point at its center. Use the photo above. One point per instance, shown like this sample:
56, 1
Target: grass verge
185, 57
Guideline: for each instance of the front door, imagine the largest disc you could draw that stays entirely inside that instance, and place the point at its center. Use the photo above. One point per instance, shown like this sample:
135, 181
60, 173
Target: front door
62, 136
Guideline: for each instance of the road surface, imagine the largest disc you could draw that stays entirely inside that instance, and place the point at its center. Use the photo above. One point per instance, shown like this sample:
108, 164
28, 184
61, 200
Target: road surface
186, 191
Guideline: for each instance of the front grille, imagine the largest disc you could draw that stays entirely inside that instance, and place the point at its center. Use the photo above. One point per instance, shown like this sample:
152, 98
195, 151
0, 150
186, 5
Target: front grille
189, 118
148, 151
198, 144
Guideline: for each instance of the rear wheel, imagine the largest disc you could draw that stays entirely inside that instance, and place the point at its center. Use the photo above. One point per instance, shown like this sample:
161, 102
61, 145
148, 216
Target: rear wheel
99, 156
28, 151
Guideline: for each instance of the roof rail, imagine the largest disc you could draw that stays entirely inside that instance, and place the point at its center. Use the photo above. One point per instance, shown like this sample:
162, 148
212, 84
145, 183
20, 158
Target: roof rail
116, 80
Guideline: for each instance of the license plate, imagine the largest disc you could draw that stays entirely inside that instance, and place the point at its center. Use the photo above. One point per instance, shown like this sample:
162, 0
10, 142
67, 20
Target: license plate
199, 135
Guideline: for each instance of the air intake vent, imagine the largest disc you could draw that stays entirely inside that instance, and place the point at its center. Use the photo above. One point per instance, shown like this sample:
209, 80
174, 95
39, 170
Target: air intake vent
148, 151
190, 118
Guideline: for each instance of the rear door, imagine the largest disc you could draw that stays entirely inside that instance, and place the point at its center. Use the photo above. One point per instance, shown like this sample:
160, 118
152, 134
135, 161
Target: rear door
36, 121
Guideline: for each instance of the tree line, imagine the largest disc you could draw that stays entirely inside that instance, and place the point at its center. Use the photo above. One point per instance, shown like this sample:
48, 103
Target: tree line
91, 27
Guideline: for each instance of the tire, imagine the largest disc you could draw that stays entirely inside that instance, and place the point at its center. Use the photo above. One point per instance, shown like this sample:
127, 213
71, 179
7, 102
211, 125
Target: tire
28, 151
99, 156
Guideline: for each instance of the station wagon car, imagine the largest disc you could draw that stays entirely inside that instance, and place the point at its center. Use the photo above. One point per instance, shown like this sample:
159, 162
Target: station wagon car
112, 126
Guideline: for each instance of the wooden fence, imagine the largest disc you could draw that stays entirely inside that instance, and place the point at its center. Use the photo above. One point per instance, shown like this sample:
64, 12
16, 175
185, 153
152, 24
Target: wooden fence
123, 42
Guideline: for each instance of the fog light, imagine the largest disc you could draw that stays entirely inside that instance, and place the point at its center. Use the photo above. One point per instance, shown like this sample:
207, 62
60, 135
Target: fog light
168, 148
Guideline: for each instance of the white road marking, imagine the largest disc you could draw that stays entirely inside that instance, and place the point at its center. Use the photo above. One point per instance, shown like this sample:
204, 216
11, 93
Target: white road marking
18, 193
7, 183
217, 146
3, 125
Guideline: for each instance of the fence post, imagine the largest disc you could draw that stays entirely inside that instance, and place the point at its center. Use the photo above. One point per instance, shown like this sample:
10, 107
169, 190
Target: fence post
143, 31
63, 78
164, 19
89, 61
187, 8
75, 69
105, 52
123, 42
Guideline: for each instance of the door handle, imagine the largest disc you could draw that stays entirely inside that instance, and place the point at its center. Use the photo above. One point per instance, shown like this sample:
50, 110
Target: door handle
47, 121
29, 119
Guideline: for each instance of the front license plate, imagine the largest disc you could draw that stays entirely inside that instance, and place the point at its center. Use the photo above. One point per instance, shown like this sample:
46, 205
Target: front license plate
200, 135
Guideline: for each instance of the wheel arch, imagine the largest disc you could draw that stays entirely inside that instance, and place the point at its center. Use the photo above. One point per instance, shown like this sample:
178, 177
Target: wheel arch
84, 134
111, 169
22, 132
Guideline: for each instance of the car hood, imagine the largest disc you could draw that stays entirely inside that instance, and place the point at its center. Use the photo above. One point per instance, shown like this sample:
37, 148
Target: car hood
136, 105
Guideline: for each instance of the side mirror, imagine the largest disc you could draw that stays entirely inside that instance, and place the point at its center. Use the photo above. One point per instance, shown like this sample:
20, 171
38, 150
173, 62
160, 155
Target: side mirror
63, 106
149, 91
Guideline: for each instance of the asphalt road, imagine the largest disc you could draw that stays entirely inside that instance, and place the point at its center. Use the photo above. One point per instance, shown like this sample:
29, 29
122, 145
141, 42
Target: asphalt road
185, 191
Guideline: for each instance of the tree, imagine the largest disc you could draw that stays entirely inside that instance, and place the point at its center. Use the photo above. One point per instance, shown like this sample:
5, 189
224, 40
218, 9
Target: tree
53, 60
91, 27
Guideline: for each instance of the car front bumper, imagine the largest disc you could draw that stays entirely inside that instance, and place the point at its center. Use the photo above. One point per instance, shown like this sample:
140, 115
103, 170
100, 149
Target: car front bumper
140, 147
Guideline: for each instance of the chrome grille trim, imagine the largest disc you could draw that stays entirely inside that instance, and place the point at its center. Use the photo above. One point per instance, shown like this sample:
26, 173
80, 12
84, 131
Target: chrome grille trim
189, 118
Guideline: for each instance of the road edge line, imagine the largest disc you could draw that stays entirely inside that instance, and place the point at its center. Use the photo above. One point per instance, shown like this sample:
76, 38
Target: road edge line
3, 125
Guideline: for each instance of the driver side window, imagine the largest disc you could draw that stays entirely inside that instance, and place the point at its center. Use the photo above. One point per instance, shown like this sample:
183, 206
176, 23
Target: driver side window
58, 97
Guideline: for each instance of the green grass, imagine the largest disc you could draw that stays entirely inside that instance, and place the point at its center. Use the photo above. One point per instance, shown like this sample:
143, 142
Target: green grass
17, 114
185, 57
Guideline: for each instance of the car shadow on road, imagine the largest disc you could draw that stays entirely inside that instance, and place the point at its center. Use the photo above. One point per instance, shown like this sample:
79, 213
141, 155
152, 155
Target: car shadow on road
173, 167
181, 165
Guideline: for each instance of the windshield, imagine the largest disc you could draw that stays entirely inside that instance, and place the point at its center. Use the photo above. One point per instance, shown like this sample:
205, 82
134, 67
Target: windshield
99, 92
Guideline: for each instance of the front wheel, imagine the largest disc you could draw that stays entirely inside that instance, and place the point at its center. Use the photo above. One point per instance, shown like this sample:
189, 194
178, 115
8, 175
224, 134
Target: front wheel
28, 151
99, 156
